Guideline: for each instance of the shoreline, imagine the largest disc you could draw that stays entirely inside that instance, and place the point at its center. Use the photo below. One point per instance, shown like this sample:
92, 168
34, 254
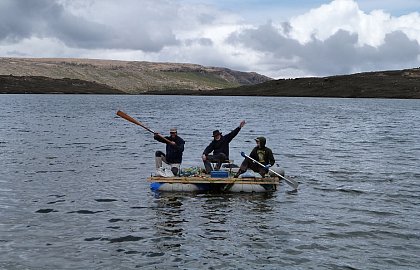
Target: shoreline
403, 84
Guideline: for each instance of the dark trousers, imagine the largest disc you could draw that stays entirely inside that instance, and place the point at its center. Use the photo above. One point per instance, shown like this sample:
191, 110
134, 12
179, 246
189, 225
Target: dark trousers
249, 164
218, 159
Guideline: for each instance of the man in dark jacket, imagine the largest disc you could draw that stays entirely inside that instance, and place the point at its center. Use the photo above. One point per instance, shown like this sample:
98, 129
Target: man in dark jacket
260, 153
174, 151
220, 148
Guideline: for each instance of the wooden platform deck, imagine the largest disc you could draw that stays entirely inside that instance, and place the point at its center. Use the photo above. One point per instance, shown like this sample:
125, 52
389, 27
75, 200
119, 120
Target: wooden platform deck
209, 180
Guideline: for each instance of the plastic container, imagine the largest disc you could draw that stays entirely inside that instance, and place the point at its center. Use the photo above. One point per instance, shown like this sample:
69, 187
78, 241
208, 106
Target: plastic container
219, 174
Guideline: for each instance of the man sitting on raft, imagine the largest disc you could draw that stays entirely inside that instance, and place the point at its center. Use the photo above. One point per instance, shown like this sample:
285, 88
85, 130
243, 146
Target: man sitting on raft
260, 153
174, 151
220, 148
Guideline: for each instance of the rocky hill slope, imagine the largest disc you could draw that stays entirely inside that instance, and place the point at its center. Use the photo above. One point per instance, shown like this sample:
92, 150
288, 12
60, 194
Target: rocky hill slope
131, 76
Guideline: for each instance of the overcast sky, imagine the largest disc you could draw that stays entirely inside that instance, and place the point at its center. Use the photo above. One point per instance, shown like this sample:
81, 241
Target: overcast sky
277, 38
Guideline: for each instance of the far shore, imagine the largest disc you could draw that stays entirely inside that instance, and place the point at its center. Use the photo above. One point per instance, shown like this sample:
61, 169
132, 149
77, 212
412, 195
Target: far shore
389, 84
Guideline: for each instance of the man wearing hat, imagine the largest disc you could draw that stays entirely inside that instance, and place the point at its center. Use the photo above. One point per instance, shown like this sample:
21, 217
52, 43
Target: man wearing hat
260, 153
174, 151
220, 148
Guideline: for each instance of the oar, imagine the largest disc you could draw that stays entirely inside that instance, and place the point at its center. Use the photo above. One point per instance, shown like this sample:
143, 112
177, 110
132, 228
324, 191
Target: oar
132, 120
291, 183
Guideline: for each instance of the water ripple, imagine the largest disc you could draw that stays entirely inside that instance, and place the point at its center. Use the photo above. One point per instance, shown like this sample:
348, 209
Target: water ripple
73, 193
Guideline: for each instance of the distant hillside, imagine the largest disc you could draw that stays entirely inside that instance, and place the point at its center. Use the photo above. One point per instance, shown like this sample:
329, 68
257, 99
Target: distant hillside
10, 84
384, 84
131, 76
86, 76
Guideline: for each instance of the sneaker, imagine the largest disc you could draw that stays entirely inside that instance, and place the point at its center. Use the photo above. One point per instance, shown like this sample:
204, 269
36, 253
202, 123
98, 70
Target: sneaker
163, 172
160, 172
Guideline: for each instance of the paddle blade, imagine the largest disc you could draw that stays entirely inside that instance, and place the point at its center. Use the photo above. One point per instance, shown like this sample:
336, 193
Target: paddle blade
243, 154
127, 117
132, 120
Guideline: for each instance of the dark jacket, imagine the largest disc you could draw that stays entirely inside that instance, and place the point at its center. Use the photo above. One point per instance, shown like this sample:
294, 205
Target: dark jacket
263, 154
173, 152
222, 145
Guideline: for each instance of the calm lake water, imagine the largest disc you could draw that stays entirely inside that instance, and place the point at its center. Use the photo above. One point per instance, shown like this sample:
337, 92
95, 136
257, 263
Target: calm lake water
73, 190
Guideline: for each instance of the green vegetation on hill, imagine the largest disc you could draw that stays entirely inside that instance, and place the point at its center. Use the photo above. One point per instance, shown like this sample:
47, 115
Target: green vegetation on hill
210, 80
385, 84
10, 84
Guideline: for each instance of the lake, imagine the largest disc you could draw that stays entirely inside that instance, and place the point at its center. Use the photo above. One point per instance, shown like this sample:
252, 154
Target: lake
73, 190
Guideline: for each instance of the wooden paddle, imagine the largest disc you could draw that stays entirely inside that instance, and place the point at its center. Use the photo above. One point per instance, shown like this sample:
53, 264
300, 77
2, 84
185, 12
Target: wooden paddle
132, 120
291, 183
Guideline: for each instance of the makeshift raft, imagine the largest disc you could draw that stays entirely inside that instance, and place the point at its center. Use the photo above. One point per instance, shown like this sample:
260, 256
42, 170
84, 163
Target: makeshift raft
207, 183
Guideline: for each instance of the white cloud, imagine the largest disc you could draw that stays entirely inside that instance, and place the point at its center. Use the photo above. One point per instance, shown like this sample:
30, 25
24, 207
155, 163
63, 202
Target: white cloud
325, 21
334, 38
371, 28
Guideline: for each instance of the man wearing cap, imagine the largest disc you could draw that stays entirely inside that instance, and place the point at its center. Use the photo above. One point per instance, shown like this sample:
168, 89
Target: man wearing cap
260, 153
174, 151
220, 148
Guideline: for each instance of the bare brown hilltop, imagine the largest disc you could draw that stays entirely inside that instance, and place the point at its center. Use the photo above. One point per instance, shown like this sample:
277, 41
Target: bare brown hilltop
132, 77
